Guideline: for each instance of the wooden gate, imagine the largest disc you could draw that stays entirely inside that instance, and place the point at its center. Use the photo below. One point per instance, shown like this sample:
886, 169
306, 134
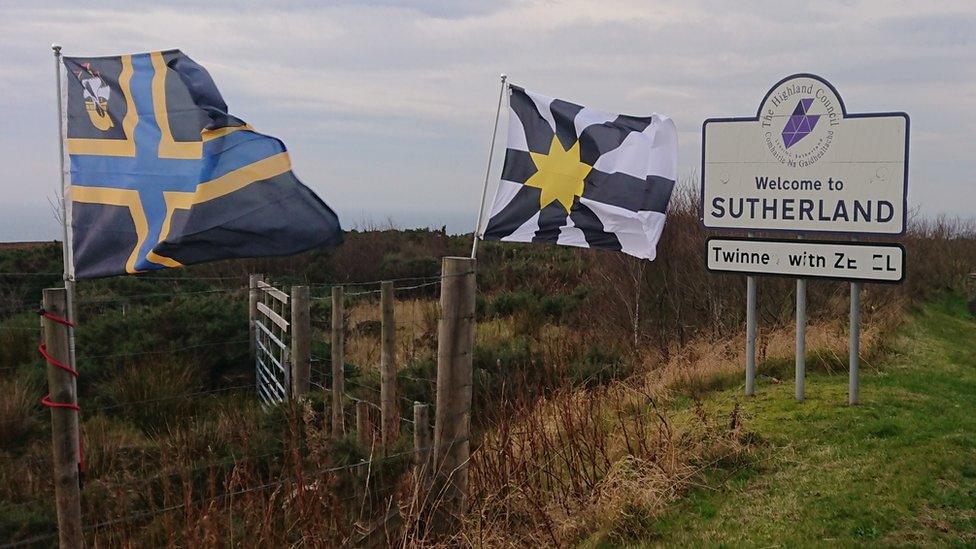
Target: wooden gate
271, 360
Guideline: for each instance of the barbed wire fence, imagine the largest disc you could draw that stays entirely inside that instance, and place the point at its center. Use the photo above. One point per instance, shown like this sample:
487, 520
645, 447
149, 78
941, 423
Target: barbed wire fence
363, 393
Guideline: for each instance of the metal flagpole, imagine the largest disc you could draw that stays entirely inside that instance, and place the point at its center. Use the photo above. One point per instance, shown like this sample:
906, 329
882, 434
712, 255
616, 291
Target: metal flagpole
491, 152
66, 251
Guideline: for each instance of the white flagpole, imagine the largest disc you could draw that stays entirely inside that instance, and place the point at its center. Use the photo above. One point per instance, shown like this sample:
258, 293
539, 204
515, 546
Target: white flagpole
491, 151
66, 251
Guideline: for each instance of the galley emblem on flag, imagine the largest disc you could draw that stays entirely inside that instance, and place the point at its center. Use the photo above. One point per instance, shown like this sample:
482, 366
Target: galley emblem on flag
578, 176
162, 176
96, 94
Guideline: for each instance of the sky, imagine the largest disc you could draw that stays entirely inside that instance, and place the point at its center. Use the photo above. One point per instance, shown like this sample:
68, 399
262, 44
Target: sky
387, 107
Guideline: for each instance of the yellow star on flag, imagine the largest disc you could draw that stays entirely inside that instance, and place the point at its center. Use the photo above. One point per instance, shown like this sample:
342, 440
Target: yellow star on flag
560, 175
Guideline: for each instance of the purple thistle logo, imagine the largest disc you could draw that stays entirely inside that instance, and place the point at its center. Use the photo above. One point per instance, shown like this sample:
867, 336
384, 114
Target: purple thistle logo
800, 123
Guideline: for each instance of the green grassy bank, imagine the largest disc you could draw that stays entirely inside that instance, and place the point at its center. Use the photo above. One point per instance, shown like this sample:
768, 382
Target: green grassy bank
898, 469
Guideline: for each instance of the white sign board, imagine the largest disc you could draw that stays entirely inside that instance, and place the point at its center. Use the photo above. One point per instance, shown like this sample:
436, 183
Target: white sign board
844, 260
805, 164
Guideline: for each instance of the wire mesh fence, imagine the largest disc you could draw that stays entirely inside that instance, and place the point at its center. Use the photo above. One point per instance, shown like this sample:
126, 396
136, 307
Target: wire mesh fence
184, 431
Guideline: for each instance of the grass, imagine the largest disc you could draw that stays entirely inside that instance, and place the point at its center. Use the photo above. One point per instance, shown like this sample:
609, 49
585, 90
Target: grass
560, 331
900, 468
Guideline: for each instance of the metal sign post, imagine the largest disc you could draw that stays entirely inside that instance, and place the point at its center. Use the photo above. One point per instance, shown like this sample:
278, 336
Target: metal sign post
801, 338
750, 335
855, 343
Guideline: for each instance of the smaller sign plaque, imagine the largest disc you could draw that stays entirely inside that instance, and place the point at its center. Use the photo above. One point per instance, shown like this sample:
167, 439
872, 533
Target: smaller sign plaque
807, 259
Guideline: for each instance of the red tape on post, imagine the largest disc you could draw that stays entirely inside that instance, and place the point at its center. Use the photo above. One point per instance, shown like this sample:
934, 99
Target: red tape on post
46, 401
56, 318
55, 362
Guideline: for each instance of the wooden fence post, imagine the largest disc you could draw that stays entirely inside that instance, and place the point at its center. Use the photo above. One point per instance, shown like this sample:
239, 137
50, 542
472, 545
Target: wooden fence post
64, 422
422, 441
301, 341
452, 423
253, 296
338, 362
390, 421
363, 435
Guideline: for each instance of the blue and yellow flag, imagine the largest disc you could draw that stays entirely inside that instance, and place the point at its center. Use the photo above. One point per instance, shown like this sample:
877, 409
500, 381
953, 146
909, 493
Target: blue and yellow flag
162, 176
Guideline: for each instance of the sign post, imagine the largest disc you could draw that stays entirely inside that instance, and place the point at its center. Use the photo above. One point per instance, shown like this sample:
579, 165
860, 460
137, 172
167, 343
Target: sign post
803, 165
801, 338
855, 344
750, 335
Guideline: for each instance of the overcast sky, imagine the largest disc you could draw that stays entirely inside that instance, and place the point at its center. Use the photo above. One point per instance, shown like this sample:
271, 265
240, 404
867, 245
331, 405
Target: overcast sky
387, 107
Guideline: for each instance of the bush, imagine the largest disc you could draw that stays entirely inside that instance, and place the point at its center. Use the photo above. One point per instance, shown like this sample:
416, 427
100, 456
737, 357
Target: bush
557, 307
416, 383
19, 521
157, 388
19, 337
598, 367
207, 330
507, 303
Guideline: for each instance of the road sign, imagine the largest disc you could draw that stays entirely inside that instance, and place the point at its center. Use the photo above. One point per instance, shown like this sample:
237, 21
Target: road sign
803, 164
838, 260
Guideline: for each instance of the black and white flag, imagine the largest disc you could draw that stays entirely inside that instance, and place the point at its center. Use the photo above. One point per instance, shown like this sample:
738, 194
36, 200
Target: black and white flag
578, 176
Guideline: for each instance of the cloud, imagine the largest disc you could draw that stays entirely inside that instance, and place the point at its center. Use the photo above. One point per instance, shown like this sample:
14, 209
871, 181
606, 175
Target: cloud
387, 105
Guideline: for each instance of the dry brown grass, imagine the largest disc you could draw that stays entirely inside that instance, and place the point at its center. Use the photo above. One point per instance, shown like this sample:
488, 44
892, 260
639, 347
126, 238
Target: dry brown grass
416, 321
581, 461
18, 409
708, 363
211, 482
611, 459
550, 466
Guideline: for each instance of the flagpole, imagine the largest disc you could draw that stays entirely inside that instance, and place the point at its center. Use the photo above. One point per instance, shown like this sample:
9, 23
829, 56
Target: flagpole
66, 251
491, 151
